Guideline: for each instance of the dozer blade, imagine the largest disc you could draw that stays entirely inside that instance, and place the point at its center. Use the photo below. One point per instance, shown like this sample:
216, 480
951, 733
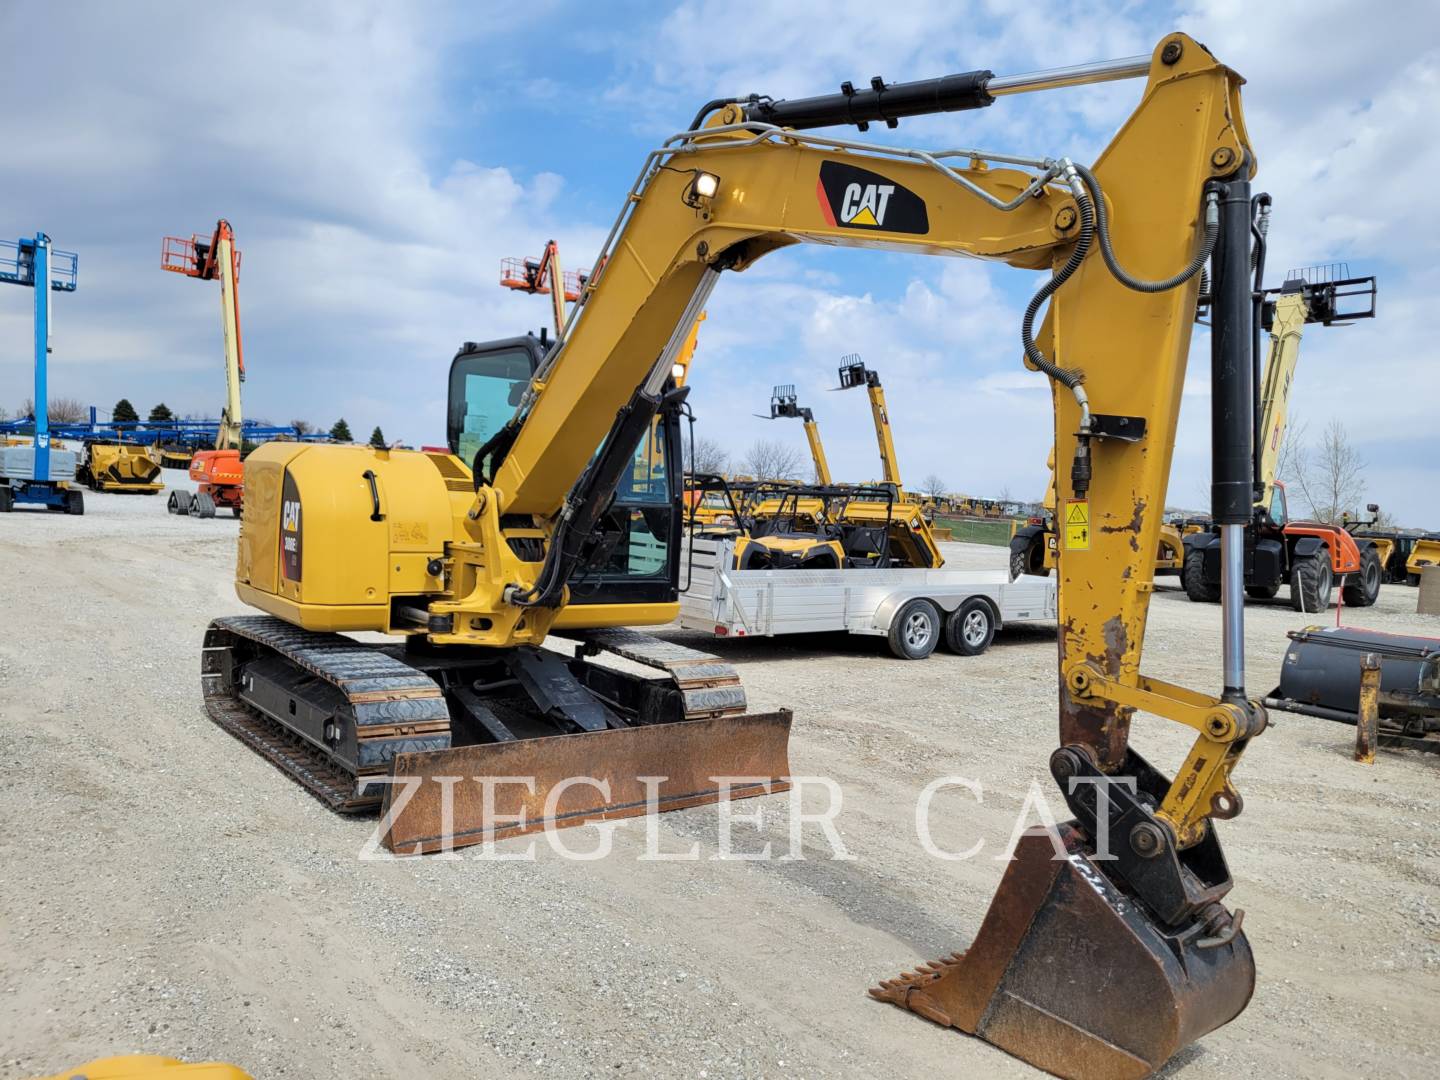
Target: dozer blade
1072, 976
568, 780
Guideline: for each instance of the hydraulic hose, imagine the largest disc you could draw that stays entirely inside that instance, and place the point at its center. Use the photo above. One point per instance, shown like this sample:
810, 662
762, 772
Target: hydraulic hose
1102, 227
1090, 201
1064, 376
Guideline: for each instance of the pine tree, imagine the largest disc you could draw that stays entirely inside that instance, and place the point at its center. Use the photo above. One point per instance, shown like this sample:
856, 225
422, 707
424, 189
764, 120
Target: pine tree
124, 412
161, 414
341, 431
377, 438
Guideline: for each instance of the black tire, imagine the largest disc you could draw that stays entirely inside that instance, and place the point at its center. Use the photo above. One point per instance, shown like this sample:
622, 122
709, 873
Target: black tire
235, 511
178, 503
1031, 560
970, 628
915, 630
1311, 582
1262, 592
7, 499
1412, 579
205, 503
75, 502
1362, 589
1192, 576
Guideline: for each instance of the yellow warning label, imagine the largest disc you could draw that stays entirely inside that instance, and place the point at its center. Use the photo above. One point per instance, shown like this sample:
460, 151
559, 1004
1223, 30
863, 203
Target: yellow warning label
1077, 524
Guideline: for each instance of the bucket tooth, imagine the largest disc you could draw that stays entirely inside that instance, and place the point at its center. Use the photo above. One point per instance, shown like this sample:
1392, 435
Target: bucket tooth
445, 801
1073, 976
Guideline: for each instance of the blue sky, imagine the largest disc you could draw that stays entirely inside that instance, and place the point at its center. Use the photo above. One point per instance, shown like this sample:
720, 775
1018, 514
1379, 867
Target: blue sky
378, 159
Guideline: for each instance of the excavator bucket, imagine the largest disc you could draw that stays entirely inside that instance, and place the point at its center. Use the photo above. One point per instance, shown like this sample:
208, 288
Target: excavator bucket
1073, 976
442, 799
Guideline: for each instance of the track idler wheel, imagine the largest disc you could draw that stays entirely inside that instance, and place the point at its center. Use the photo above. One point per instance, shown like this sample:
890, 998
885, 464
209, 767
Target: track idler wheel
1073, 976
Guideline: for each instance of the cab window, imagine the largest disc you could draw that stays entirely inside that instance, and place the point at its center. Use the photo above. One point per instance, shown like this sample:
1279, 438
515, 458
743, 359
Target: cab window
484, 392
1277, 507
642, 511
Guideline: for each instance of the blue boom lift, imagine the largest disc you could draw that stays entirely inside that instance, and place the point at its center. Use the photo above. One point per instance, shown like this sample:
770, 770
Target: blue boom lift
36, 473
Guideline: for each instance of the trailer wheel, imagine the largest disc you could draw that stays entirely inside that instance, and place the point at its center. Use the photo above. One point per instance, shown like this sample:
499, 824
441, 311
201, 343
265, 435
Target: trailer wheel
1192, 576
179, 502
1363, 588
1311, 582
75, 502
970, 628
915, 630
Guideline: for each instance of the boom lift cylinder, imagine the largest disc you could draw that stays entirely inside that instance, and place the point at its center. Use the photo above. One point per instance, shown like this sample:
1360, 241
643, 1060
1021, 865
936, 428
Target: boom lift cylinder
1232, 419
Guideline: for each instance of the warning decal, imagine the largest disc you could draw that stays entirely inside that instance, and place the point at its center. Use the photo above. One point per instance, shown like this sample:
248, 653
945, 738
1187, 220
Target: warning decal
1077, 524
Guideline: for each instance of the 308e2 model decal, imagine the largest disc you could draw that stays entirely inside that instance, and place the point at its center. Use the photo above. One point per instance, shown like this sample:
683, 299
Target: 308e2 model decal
855, 198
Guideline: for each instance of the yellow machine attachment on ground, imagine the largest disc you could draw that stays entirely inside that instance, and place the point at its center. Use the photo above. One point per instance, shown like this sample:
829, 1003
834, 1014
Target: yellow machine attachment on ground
120, 467
1424, 552
1101, 962
150, 1067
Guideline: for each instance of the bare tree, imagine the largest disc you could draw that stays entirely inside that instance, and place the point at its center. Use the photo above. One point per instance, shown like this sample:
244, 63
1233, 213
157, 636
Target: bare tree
705, 456
68, 411
1291, 460
302, 427
933, 486
1332, 478
770, 460
3, 414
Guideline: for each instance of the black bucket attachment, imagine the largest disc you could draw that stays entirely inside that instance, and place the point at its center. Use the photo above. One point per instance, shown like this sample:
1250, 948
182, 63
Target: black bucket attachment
1072, 975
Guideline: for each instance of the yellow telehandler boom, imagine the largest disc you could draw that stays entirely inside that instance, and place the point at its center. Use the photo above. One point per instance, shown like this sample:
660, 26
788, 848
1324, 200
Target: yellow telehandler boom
784, 404
853, 372
1101, 956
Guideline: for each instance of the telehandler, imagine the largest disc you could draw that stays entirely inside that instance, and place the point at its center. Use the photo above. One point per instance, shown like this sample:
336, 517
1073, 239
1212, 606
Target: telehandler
835, 526
1084, 966
1309, 556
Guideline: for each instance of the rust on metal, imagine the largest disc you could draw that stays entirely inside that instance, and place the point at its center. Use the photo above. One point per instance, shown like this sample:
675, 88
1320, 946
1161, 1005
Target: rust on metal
1367, 727
567, 780
1071, 975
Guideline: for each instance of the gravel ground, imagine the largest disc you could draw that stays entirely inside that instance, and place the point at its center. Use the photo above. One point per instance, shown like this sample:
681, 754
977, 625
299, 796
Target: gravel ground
166, 890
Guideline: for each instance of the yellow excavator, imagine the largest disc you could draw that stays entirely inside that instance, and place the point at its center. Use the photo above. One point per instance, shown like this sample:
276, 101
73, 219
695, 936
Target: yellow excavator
1100, 956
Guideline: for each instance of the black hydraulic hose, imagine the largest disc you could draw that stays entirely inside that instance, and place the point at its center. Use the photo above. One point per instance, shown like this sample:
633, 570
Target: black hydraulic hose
1102, 227
711, 106
1259, 221
1064, 376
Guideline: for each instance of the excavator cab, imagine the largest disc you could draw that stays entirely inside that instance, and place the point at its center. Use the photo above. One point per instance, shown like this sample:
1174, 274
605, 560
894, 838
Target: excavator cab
634, 554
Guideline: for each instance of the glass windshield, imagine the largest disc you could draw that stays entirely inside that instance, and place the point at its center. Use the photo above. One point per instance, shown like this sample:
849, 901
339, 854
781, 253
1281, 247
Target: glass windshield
484, 391
1277, 506
646, 481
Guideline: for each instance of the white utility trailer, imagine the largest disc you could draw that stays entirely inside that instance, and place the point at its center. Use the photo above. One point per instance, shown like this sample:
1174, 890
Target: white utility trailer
914, 610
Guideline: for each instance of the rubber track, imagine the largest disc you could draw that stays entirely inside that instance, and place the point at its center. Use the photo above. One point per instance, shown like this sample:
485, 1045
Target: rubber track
367, 677
709, 686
